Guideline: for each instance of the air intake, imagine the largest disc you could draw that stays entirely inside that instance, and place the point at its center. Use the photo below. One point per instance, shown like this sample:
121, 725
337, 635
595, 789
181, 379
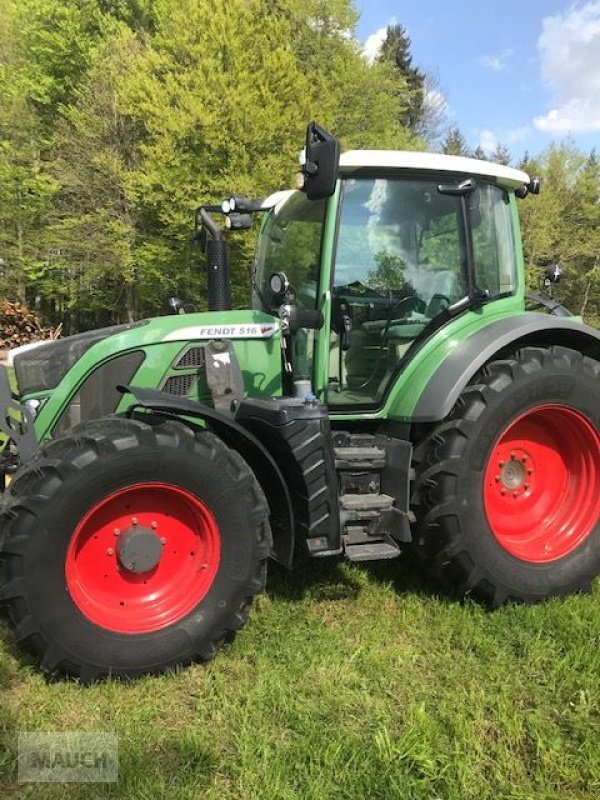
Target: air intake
179, 384
194, 357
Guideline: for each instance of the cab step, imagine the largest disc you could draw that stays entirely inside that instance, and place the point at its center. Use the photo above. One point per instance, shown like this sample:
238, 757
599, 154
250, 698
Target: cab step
364, 506
359, 545
372, 527
348, 458
376, 551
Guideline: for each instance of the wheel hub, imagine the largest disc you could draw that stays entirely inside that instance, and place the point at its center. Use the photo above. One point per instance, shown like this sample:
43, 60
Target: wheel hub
513, 474
139, 549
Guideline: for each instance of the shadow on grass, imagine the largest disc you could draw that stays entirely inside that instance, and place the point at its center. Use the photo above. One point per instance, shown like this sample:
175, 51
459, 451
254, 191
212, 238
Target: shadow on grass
327, 579
12, 658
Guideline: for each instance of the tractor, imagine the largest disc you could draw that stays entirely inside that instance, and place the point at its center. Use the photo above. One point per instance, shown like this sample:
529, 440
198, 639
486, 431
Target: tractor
388, 391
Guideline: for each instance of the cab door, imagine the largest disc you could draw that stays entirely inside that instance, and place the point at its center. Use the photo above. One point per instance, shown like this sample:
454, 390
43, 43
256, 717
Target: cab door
401, 261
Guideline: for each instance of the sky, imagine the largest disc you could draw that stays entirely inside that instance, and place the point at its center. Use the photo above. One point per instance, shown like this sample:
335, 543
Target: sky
520, 72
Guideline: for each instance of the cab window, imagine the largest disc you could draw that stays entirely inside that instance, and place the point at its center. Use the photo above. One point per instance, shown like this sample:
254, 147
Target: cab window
401, 260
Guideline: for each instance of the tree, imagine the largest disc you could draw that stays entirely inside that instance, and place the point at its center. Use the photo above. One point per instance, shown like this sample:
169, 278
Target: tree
93, 238
434, 111
395, 50
480, 153
501, 155
389, 275
562, 225
454, 143
117, 117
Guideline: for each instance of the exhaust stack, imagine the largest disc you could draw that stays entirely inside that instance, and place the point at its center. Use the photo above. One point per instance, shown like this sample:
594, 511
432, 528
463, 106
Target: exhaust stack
218, 282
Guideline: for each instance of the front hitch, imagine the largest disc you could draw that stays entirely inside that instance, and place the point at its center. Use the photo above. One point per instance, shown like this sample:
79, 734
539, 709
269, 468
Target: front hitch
16, 425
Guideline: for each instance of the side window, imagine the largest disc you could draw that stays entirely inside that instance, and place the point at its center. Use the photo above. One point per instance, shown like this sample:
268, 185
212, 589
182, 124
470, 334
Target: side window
291, 242
493, 240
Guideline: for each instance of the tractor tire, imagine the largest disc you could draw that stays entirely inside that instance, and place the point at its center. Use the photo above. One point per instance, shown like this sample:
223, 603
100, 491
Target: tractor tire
507, 488
130, 548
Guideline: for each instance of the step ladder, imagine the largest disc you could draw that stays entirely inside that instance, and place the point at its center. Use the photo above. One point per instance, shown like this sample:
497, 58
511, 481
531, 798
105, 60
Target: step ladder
359, 462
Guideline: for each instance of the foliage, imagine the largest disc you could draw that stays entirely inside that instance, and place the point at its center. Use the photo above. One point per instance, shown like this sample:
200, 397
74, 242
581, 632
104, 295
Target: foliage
389, 275
118, 117
395, 50
562, 225
454, 143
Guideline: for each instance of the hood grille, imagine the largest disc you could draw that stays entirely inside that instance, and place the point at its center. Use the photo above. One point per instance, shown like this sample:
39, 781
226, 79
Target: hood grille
179, 384
193, 357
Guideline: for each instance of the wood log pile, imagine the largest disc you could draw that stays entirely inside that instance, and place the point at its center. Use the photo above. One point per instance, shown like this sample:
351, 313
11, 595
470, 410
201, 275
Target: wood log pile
19, 325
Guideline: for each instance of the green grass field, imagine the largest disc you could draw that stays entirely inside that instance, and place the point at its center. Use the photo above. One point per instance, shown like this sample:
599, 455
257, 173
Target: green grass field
350, 683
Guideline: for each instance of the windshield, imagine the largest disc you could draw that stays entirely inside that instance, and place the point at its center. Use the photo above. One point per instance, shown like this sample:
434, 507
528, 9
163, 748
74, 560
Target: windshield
291, 242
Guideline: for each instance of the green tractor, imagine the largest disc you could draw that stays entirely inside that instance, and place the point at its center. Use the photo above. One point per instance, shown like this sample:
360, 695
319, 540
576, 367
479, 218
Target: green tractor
388, 390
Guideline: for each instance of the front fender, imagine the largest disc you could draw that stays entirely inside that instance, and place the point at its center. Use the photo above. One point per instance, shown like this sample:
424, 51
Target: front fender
247, 445
458, 368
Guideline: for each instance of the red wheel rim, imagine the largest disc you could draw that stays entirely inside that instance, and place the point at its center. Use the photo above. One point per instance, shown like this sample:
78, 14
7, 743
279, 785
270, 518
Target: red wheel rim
542, 484
170, 521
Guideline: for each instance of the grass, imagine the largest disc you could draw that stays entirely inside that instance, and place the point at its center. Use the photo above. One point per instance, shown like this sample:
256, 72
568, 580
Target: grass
350, 683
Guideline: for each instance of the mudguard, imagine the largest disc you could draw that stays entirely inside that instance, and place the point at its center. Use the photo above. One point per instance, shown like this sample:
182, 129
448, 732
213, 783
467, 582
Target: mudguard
247, 445
457, 369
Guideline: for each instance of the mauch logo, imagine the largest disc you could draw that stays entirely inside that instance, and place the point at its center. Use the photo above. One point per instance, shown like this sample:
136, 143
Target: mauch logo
68, 757
264, 330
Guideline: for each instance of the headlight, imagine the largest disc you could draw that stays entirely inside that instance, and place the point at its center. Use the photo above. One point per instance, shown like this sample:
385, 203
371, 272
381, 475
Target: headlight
44, 367
34, 405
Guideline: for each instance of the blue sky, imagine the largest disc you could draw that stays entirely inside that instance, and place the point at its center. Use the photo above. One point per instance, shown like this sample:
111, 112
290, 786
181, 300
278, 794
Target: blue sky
521, 72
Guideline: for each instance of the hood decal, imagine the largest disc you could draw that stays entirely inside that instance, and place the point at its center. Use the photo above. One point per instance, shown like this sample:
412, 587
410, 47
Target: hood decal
245, 330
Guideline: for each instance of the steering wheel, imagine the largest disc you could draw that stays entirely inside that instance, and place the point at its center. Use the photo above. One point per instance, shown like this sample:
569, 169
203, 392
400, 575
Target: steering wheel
437, 304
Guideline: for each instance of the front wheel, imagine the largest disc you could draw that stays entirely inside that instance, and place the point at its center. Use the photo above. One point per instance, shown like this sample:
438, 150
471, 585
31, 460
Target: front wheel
129, 548
507, 492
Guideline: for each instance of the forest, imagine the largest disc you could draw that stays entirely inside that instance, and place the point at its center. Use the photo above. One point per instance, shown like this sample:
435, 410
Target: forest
119, 117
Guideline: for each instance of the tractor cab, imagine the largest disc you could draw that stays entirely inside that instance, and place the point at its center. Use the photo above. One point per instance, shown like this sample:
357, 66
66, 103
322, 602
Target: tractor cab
405, 243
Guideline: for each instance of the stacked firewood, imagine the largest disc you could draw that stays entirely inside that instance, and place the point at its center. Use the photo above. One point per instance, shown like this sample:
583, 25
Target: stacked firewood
18, 325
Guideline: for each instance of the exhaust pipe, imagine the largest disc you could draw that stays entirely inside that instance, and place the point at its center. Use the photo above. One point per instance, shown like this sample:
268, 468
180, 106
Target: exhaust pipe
217, 264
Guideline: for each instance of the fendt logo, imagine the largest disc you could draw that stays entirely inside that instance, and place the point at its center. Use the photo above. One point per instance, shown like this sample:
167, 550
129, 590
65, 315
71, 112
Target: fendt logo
245, 331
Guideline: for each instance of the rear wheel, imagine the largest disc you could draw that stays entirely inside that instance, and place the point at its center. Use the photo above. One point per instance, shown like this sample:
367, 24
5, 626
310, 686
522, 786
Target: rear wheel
130, 548
507, 492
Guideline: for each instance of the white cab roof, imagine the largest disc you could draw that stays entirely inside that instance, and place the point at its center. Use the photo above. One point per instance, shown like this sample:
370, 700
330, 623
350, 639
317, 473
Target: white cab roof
403, 159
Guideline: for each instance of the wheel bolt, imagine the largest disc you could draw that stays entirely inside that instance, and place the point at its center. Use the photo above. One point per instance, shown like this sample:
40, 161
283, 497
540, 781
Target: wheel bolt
497, 478
501, 464
526, 487
502, 492
513, 455
154, 524
116, 532
163, 540
110, 552
515, 494
203, 566
530, 472
134, 521
524, 459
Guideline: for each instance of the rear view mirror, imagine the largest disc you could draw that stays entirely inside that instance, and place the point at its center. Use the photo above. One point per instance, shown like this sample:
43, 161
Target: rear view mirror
321, 164
552, 274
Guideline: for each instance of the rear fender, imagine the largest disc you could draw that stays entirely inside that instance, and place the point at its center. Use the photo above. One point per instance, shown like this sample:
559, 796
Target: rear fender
247, 445
510, 333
